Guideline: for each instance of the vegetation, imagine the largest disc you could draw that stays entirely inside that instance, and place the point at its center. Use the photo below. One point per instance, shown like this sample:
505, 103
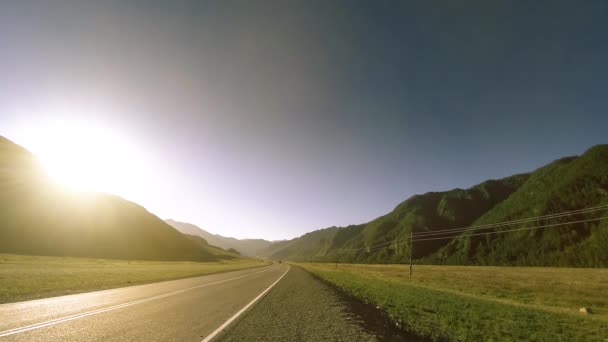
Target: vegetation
567, 184
25, 277
247, 247
39, 218
564, 185
472, 303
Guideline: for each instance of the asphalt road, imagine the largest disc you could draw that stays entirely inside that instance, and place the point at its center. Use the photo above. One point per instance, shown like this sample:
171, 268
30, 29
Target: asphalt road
179, 310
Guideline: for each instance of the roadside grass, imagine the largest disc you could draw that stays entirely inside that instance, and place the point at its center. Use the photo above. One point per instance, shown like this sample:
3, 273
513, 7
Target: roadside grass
475, 303
26, 277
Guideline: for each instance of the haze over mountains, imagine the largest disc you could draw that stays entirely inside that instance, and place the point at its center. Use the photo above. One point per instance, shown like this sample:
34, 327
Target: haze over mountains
566, 184
248, 247
38, 217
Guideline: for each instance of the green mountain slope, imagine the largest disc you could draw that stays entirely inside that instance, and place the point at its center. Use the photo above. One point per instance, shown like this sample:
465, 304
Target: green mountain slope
307, 246
37, 217
248, 247
564, 185
567, 184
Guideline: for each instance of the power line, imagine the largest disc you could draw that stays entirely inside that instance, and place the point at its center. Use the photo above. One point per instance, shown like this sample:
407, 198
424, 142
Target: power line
493, 225
470, 228
459, 231
497, 232
517, 229
508, 223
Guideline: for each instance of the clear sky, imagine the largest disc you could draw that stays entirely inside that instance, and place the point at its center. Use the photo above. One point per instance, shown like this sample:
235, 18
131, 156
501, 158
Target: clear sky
273, 118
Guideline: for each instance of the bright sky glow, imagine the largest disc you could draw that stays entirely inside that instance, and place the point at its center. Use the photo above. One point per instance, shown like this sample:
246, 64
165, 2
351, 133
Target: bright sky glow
271, 119
83, 154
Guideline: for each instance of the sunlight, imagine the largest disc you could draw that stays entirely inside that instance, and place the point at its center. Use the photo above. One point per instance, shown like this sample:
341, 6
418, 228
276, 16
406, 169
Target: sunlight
86, 156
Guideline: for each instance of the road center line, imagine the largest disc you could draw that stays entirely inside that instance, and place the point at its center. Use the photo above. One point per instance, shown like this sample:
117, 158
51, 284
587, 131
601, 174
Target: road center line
114, 307
227, 323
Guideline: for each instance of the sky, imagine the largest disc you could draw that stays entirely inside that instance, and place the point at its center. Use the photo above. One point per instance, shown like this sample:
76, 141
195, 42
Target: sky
269, 119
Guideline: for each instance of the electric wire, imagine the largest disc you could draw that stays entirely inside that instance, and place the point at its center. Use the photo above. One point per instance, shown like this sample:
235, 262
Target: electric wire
398, 241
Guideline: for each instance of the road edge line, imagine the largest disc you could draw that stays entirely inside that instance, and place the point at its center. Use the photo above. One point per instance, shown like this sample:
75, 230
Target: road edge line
240, 312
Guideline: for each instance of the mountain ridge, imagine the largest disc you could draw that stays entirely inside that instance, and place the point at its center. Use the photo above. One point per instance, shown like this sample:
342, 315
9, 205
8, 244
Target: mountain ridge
248, 247
41, 218
568, 183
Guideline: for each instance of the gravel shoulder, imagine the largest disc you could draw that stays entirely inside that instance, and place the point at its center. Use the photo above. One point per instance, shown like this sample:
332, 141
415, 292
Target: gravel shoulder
299, 308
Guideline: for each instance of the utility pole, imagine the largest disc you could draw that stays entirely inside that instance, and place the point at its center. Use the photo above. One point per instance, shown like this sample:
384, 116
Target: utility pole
411, 249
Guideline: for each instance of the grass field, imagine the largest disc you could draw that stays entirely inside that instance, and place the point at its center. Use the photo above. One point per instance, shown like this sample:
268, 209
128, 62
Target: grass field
24, 277
482, 303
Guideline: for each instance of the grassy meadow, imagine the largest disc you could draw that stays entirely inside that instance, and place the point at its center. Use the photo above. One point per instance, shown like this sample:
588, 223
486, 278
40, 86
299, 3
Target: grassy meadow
474, 303
25, 277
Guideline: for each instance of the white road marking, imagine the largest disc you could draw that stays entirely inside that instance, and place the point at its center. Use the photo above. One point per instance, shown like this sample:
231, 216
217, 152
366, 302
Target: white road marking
114, 307
227, 323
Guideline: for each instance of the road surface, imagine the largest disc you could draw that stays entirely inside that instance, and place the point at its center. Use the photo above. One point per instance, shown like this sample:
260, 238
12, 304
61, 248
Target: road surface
179, 310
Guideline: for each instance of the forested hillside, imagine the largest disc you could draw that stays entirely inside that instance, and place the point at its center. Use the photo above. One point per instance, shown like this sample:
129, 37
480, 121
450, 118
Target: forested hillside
567, 184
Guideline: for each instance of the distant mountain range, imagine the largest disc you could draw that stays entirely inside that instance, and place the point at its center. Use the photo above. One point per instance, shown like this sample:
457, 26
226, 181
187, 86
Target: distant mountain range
567, 184
37, 217
248, 247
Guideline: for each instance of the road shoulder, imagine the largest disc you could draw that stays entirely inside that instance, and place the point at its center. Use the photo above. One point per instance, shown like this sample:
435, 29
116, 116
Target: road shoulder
299, 308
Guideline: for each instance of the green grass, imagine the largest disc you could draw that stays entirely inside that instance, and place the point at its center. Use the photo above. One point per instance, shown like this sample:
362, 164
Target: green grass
482, 303
24, 277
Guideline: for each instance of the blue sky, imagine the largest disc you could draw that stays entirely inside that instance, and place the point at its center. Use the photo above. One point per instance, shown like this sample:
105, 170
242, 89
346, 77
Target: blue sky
274, 118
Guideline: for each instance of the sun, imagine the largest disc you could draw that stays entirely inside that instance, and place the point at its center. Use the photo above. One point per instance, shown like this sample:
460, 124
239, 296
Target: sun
87, 156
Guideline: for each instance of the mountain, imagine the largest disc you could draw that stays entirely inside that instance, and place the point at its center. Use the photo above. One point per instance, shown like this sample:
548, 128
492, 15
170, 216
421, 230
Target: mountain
566, 184
38, 217
248, 247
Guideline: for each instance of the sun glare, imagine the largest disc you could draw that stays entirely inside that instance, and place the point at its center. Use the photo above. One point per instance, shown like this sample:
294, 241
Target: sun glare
85, 156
